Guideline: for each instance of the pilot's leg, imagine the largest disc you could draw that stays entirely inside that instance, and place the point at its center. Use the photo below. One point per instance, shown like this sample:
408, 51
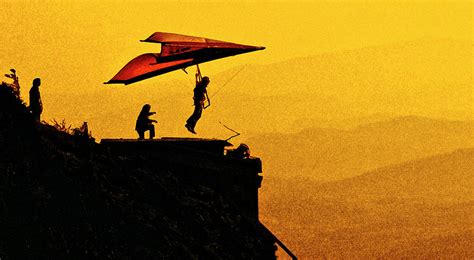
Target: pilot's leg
152, 131
198, 113
141, 135
191, 122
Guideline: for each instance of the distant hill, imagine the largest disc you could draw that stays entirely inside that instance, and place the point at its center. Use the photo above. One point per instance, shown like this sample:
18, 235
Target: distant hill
444, 178
326, 154
417, 209
449, 246
429, 77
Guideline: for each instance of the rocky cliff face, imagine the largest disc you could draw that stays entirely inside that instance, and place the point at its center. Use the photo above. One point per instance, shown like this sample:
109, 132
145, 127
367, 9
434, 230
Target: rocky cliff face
65, 196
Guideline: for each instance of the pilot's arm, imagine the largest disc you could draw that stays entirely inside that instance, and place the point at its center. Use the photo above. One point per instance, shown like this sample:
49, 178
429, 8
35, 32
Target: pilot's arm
197, 78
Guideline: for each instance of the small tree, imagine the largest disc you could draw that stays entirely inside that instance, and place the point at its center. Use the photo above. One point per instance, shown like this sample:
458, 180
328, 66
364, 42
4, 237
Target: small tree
15, 86
61, 126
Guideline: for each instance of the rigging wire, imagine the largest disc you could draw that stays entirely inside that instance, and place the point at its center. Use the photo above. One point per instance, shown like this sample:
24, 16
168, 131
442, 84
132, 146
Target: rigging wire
236, 133
199, 76
233, 76
222, 87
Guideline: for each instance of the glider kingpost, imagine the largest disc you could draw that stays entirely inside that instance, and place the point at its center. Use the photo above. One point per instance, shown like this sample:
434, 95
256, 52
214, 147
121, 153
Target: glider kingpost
177, 52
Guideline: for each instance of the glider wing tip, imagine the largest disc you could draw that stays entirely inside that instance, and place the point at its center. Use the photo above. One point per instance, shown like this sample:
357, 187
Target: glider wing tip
115, 82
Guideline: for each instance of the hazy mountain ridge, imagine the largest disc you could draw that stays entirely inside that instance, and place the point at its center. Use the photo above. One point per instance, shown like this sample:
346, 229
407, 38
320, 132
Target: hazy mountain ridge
432, 177
372, 62
429, 77
326, 154
421, 77
414, 209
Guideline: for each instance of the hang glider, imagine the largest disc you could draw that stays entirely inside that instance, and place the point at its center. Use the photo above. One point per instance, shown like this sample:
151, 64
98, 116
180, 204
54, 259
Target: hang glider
177, 52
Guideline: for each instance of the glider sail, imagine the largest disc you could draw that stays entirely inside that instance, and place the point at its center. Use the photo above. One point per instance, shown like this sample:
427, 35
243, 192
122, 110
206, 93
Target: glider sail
177, 52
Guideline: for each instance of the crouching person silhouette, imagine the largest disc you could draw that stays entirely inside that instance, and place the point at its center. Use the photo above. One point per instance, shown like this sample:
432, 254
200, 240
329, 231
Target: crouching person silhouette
144, 123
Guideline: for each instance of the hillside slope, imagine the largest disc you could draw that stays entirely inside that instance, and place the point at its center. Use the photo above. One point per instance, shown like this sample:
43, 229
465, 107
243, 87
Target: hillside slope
63, 196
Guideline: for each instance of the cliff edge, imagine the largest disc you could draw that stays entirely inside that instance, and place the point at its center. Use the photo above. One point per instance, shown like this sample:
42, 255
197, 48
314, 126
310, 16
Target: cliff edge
64, 196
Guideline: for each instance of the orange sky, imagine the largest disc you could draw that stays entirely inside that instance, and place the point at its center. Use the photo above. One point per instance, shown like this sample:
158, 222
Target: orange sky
75, 46
72, 34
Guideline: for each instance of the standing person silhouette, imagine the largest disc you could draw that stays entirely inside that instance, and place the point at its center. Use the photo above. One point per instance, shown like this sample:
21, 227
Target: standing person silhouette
36, 106
144, 123
200, 96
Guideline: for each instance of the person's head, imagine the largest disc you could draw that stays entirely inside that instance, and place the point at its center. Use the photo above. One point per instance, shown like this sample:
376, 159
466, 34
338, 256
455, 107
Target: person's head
206, 80
146, 108
37, 82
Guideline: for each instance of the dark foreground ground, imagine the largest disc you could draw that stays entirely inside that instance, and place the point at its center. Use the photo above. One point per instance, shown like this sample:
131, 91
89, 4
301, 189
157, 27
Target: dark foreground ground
64, 196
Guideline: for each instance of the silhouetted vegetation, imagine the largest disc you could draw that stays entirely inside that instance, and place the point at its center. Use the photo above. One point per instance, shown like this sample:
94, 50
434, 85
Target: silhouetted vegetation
61, 126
